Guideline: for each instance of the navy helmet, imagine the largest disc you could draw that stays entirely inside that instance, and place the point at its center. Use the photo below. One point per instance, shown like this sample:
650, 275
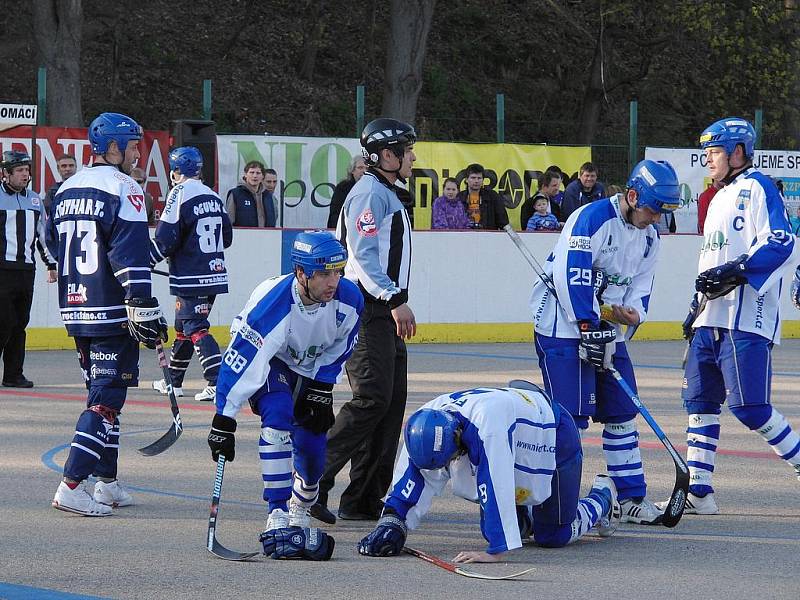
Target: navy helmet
430, 438
317, 251
186, 160
385, 133
656, 186
113, 127
729, 132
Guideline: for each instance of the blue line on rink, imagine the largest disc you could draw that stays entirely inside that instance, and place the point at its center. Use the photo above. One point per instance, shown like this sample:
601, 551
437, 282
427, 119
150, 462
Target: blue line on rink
532, 358
9, 591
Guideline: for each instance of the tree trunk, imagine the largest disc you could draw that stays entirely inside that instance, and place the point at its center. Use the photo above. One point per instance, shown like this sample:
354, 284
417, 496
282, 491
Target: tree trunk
405, 54
312, 40
592, 99
57, 28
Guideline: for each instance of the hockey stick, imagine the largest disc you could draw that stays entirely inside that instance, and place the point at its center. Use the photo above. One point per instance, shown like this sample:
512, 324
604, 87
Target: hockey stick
212, 545
434, 560
677, 501
700, 308
176, 429
528, 255
157, 272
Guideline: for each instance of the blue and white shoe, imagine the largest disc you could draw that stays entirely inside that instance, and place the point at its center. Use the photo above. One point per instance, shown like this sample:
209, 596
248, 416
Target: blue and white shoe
608, 522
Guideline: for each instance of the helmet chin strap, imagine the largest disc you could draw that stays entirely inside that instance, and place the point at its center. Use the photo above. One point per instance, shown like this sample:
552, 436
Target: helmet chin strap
306, 289
400, 156
177, 179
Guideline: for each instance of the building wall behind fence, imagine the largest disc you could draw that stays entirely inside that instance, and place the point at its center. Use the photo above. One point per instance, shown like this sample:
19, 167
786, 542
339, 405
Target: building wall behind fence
465, 286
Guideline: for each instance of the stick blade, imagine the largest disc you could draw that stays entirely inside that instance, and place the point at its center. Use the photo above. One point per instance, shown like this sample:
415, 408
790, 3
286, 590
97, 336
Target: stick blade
224, 553
677, 501
162, 443
474, 575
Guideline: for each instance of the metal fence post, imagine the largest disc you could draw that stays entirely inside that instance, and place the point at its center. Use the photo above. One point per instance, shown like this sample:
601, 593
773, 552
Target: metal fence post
633, 147
41, 97
501, 118
206, 99
359, 110
759, 122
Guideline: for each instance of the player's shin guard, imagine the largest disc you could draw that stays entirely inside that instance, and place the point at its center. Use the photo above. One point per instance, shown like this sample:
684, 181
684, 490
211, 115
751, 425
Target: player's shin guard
621, 447
107, 466
179, 359
88, 445
702, 438
303, 493
208, 352
275, 452
590, 509
780, 435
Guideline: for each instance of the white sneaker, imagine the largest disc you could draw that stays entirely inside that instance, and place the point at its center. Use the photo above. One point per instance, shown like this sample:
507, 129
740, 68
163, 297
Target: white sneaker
299, 516
607, 523
78, 501
112, 494
207, 395
278, 519
697, 505
160, 386
642, 513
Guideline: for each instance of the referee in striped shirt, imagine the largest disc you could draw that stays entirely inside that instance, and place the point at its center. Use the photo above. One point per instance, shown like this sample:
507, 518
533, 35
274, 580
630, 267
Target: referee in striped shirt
21, 229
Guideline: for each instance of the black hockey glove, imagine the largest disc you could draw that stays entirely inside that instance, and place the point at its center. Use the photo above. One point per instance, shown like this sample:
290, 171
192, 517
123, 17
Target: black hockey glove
597, 344
221, 439
720, 281
387, 539
294, 542
314, 406
688, 322
146, 324
599, 284
796, 288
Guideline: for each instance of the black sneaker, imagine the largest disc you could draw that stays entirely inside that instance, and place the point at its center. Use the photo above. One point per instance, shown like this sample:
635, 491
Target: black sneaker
20, 382
321, 513
359, 516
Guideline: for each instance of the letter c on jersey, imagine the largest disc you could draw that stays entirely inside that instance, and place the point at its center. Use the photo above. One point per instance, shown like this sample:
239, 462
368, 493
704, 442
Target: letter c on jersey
738, 223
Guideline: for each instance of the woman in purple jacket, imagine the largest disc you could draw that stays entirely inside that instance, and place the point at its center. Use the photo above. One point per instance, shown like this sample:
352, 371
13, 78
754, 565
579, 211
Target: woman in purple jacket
448, 211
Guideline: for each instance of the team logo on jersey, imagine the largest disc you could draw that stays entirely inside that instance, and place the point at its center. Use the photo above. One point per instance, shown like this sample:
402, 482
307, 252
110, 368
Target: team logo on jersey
579, 242
340, 316
521, 494
714, 241
743, 199
216, 265
649, 241
251, 335
76, 293
35, 201
365, 224
202, 309
137, 201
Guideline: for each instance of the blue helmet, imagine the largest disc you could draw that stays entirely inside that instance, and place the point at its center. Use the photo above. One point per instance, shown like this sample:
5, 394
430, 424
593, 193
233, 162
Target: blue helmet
656, 186
186, 160
113, 127
317, 251
729, 132
430, 438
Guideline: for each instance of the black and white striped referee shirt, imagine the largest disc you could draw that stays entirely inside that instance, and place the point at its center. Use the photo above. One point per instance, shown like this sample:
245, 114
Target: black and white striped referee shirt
21, 230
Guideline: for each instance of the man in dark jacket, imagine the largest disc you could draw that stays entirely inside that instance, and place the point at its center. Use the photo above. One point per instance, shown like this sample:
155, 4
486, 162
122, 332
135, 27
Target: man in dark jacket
485, 208
583, 190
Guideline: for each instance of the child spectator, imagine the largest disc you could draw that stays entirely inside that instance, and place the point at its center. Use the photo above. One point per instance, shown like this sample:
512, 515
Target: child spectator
448, 211
542, 218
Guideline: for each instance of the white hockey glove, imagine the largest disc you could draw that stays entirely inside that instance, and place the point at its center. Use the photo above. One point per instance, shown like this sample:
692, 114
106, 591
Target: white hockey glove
146, 324
796, 288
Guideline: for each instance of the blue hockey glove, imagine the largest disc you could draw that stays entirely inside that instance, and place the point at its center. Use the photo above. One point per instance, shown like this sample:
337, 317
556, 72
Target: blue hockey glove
387, 539
294, 542
314, 407
721, 280
796, 288
597, 344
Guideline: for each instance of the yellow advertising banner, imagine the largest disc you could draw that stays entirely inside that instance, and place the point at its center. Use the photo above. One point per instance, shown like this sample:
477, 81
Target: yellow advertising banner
510, 169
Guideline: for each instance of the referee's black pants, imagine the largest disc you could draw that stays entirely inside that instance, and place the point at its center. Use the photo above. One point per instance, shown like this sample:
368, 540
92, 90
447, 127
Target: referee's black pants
16, 297
367, 428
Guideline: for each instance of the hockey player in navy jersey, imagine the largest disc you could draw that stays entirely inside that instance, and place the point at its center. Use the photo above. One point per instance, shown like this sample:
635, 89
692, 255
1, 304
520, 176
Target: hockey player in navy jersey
613, 241
510, 450
288, 349
191, 234
747, 249
98, 231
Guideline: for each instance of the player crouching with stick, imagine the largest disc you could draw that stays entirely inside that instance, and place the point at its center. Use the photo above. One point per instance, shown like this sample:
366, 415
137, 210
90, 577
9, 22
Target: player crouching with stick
512, 451
288, 349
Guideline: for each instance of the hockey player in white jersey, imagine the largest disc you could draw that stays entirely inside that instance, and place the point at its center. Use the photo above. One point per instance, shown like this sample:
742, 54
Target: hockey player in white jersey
747, 249
287, 351
611, 241
510, 450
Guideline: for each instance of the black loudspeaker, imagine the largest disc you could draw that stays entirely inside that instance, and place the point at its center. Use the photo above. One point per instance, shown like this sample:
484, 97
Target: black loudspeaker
203, 136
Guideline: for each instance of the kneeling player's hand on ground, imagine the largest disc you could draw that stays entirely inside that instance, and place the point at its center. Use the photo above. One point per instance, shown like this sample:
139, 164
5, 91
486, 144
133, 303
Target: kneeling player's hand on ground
293, 542
146, 323
387, 539
597, 344
795, 293
221, 438
476, 556
314, 407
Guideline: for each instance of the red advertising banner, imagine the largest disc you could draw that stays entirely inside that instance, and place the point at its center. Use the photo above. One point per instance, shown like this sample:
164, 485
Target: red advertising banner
51, 142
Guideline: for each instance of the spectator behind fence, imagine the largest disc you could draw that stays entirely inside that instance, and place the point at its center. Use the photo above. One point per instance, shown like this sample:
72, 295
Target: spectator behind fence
558, 197
251, 204
583, 190
67, 166
270, 184
542, 219
613, 190
140, 178
703, 202
794, 221
448, 211
485, 208
549, 182
354, 173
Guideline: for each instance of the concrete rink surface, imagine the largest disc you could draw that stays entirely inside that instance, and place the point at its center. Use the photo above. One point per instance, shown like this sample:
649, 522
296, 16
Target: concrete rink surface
156, 549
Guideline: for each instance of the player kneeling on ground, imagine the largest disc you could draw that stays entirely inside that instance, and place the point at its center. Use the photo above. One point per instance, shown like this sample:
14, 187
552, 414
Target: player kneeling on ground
288, 349
526, 485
